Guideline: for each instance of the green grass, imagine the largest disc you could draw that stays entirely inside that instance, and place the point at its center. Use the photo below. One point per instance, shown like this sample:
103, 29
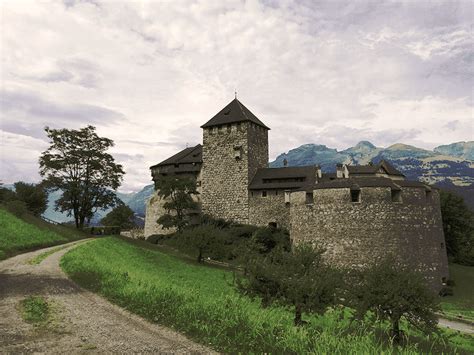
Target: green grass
462, 302
27, 233
35, 310
200, 302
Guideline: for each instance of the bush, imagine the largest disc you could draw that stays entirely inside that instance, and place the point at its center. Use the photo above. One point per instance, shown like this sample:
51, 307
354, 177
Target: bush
266, 239
103, 230
18, 208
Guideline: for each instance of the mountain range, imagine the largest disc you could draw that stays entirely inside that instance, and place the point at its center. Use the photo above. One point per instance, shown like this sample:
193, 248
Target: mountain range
448, 166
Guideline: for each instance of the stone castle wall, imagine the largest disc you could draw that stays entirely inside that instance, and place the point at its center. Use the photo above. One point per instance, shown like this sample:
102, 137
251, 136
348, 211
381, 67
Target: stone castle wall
356, 234
225, 179
269, 209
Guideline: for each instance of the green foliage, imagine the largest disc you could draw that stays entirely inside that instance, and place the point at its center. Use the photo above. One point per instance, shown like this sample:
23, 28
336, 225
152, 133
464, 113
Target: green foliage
297, 278
121, 216
102, 230
200, 302
18, 208
178, 193
224, 242
33, 195
393, 292
29, 232
6, 194
35, 309
458, 225
77, 164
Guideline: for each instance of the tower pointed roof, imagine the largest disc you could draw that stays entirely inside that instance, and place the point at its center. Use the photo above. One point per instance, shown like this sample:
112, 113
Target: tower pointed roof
234, 112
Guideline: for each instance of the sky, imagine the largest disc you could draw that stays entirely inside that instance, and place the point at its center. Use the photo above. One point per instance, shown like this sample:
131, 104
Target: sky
147, 74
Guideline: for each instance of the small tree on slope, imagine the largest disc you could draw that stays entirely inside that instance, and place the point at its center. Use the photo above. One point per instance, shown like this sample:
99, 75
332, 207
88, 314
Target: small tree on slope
178, 193
394, 292
297, 278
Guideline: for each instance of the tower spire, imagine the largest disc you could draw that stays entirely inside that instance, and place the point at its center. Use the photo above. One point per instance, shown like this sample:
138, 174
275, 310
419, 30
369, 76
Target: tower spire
235, 93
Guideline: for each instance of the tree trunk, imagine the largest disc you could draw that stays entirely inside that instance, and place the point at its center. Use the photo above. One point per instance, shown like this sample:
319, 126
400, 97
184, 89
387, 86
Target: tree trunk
396, 331
298, 321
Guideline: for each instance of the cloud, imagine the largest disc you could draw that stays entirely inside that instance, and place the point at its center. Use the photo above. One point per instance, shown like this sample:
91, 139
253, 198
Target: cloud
148, 74
29, 112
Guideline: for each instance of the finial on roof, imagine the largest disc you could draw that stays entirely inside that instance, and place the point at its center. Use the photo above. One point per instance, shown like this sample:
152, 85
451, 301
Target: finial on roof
235, 93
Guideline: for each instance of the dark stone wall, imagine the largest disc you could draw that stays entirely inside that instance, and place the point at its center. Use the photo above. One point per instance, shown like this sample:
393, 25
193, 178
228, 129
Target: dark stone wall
356, 234
269, 209
225, 180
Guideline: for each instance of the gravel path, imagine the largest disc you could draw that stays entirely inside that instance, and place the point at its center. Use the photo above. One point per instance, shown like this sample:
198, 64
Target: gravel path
462, 327
83, 322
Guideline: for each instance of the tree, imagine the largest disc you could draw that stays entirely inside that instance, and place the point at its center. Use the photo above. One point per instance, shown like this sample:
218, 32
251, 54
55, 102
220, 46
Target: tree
77, 163
458, 225
392, 291
34, 196
298, 278
122, 216
178, 193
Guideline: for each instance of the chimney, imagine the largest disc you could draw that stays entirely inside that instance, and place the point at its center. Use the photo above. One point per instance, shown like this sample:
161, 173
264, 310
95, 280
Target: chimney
285, 162
319, 174
339, 171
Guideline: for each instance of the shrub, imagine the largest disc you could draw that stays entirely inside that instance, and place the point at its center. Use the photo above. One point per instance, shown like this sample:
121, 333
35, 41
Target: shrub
267, 238
18, 208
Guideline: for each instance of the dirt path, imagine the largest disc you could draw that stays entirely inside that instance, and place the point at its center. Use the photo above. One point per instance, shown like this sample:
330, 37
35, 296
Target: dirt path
83, 322
462, 327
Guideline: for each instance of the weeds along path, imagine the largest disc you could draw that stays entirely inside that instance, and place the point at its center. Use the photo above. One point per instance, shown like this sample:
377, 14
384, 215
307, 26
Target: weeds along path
79, 320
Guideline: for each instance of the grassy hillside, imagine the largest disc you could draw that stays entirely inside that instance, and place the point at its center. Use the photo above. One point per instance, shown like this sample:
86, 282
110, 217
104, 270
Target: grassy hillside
29, 232
462, 302
200, 302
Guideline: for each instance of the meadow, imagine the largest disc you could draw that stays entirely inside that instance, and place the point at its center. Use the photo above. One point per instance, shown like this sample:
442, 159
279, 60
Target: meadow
28, 232
201, 302
462, 302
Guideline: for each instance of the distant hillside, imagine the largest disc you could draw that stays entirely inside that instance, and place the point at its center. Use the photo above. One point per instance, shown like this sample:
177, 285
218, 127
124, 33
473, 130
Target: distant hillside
448, 166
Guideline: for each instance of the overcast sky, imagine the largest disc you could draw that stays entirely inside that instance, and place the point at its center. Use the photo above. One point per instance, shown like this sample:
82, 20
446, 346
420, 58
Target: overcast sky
147, 74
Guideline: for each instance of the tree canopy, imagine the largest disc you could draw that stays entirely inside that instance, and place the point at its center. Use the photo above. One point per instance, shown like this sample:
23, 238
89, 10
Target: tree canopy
458, 225
178, 193
121, 216
77, 163
298, 278
393, 291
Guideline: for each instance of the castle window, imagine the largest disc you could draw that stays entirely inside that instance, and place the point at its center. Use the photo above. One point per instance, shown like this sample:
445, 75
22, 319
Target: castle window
229, 127
273, 225
428, 195
276, 192
264, 193
396, 196
198, 183
309, 198
238, 152
238, 126
287, 197
355, 195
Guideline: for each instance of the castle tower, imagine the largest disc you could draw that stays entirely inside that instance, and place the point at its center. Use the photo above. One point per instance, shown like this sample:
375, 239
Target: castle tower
235, 145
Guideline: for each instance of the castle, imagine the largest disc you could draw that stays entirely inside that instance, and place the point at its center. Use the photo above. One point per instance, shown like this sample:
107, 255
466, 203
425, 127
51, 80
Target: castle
358, 213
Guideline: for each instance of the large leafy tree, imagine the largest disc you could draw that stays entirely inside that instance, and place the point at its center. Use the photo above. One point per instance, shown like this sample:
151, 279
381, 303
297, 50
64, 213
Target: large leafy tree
178, 193
458, 225
77, 163
298, 278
